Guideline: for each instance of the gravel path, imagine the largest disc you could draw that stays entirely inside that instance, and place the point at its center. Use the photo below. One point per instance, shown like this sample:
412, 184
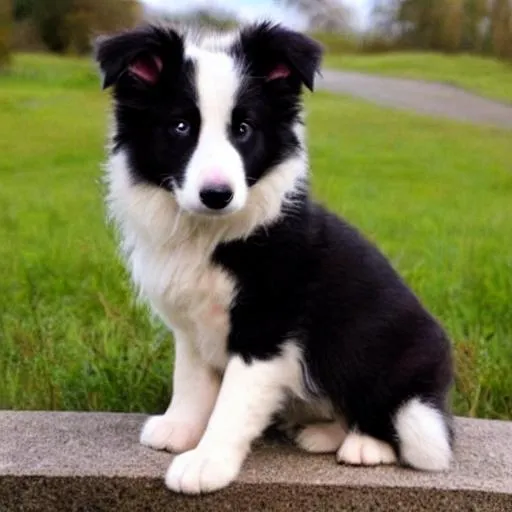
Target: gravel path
434, 99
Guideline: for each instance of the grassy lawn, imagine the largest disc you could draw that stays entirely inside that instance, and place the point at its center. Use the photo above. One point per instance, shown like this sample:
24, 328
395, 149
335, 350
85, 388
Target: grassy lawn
484, 76
435, 195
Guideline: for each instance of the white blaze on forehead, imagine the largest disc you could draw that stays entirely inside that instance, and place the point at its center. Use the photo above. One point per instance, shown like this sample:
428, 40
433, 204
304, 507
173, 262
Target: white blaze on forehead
220, 41
215, 159
217, 80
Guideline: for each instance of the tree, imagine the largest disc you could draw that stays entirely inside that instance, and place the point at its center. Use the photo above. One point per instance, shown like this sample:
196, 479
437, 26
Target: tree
88, 18
501, 28
448, 25
476, 15
22, 9
48, 17
65, 25
450, 22
5, 32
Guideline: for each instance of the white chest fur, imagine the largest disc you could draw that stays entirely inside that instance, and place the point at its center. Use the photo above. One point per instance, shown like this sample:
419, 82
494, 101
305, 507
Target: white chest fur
169, 252
169, 256
192, 295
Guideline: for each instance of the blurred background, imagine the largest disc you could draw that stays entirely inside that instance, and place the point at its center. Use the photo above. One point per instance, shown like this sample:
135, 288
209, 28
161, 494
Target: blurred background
434, 192
475, 26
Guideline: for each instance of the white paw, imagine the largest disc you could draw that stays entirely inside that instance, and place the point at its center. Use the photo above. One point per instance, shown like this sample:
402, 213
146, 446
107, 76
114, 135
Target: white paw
200, 471
165, 433
359, 449
321, 437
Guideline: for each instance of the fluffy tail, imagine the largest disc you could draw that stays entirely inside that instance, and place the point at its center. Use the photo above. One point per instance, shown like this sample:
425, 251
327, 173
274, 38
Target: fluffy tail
424, 436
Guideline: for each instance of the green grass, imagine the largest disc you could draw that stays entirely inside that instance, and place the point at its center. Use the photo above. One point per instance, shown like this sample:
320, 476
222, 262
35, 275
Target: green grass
484, 76
435, 195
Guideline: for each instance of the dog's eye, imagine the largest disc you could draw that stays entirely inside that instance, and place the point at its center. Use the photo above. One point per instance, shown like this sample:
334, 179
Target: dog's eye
180, 127
242, 131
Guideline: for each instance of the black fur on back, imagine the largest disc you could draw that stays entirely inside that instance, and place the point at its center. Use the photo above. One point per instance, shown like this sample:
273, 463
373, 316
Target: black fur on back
368, 342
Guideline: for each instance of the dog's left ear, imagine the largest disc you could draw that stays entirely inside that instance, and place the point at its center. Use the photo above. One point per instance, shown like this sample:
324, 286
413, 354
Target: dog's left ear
142, 53
276, 53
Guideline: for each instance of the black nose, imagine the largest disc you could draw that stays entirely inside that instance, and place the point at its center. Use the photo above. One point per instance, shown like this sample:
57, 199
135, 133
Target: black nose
216, 197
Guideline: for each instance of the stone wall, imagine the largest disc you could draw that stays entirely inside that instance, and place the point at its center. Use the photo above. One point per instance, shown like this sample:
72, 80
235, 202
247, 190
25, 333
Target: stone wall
93, 462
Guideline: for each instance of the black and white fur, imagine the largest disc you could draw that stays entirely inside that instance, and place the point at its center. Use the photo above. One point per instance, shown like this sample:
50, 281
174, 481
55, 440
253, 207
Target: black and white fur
281, 311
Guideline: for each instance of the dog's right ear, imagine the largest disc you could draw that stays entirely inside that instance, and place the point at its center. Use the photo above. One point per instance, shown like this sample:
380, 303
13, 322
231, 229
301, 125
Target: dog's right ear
276, 52
143, 53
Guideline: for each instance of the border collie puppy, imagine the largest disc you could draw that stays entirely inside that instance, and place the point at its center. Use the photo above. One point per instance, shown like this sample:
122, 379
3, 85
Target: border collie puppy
282, 313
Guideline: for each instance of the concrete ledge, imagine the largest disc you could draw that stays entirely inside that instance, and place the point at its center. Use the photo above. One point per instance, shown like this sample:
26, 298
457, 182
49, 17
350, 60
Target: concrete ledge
93, 462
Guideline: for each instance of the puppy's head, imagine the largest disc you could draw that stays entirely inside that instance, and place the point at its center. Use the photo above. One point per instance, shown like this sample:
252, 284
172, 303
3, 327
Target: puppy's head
206, 118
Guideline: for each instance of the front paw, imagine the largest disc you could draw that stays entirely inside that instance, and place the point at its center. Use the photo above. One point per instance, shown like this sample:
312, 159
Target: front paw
166, 433
200, 471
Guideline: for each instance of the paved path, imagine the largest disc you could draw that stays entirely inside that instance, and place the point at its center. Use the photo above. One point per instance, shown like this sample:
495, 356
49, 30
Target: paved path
434, 99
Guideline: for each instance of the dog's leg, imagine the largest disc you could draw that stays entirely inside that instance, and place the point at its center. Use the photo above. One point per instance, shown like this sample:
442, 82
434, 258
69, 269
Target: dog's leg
195, 389
251, 393
323, 437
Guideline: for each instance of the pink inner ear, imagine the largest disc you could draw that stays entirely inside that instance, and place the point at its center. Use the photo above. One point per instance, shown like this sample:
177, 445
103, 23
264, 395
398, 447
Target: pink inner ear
280, 71
147, 68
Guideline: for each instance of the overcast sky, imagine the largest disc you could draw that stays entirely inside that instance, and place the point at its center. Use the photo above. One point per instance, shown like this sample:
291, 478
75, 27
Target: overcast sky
257, 9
